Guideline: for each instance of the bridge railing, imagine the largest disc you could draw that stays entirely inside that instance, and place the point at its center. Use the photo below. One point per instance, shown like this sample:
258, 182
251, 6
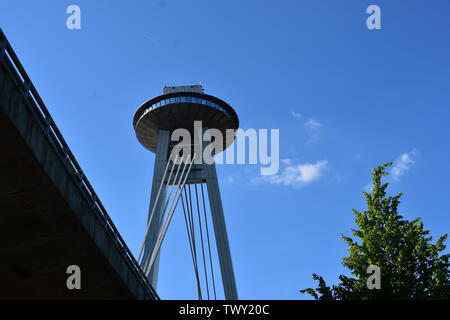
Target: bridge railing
39, 110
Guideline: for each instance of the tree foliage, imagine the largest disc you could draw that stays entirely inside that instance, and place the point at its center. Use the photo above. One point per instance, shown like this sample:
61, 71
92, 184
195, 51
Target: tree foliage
411, 266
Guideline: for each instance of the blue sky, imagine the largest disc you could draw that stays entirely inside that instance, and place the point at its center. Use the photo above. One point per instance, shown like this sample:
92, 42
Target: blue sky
344, 98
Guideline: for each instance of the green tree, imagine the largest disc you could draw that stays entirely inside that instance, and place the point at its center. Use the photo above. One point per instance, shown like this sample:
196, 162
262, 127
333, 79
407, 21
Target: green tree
411, 266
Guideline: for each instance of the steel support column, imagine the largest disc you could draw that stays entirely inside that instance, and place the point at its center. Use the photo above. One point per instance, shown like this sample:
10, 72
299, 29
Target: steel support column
161, 158
223, 247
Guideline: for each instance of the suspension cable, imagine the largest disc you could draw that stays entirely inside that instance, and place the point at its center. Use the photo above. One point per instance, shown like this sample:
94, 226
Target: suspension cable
201, 241
192, 223
155, 205
164, 211
149, 255
191, 227
191, 220
194, 262
169, 218
209, 243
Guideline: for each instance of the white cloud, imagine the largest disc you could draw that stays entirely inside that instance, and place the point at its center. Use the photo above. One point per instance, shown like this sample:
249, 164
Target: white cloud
296, 114
368, 188
230, 179
313, 125
403, 163
298, 175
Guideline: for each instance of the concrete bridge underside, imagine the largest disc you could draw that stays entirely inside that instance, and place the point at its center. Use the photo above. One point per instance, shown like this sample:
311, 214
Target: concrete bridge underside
46, 222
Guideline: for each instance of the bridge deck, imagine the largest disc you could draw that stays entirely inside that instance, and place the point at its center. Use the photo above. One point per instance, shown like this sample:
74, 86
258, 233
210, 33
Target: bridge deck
50, 216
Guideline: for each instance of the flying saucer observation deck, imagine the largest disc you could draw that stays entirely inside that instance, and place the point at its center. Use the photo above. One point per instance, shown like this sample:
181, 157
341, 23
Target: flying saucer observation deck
180, 110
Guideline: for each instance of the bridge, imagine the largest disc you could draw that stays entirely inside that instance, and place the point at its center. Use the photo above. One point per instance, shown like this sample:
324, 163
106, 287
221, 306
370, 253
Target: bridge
50, 216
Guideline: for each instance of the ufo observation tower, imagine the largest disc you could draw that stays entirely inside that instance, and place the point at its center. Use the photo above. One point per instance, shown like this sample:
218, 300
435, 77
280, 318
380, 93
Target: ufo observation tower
181, 176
